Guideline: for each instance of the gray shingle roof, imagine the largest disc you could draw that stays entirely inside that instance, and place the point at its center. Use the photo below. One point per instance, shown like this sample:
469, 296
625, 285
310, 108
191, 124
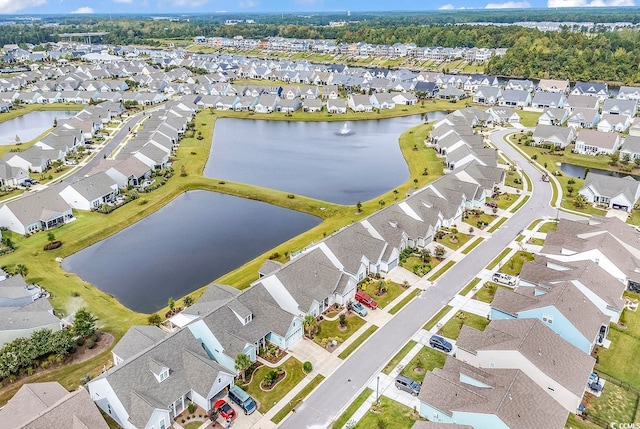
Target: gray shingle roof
510, 395
611, 186
138, 339
95, 186
33, 315
49, 405
33, 207
13, 287
563, 362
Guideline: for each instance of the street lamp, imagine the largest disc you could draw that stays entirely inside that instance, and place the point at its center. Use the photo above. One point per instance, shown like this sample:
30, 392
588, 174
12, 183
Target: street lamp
377, 391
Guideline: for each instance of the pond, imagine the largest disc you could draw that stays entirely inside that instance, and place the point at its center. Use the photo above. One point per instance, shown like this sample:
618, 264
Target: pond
578, 171
28, 127
187, 244
340, 162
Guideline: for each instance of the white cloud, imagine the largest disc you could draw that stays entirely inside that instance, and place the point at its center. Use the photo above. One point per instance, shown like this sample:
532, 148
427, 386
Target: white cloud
447, 7
509, 5
187, 3
10, 6
590, 3
247, 4
84, 9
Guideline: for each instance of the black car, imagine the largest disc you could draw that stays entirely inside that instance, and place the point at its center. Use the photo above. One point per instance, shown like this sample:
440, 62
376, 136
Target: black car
440, 343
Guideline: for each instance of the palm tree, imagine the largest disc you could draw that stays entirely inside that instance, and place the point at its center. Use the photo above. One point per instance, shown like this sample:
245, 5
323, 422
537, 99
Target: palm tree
395, 193
22, 270
309, 322
359, 206
242, 364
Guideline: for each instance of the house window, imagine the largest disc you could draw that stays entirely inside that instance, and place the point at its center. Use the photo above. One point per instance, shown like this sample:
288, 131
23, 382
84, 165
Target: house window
547, 318
162, 424
248, 319
164, 375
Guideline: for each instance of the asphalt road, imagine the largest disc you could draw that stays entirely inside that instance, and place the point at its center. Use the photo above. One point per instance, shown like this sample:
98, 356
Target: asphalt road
113, 143
324, 404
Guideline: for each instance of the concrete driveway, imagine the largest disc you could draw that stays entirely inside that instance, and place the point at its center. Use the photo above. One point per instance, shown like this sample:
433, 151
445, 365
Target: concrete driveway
328, 401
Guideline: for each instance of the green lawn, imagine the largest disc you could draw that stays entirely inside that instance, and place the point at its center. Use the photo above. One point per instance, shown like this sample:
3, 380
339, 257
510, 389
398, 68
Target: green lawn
487, 292
394, 415
427, 359
533, 224
634, 218
519, 237
280, 415
356, 343
514, 265
505, 200
393, 291
435, 319
191, 425
442, 270
266, 400
575, 422
528, 119
497, 225
353, 406
498, 258
548, 227
469, 286
417, 267
536, 241
398, 357
460, 240
614, 405
474, 219
404, 301
520, 204
473, 245
452, 328
330, 328
510, 178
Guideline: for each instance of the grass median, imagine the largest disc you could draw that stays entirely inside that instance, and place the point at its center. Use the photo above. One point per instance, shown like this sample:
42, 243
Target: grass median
280, 415
405, 301
357, 342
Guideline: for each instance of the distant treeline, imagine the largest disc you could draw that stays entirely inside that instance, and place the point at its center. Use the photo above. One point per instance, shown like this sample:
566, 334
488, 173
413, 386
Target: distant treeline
600, 55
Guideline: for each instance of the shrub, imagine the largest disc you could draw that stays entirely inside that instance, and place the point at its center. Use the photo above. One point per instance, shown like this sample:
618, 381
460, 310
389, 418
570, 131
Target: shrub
343, 319
154, 319
291, 196
90, 344
307, 367
80, 341
95, 338
191, 407
52, 245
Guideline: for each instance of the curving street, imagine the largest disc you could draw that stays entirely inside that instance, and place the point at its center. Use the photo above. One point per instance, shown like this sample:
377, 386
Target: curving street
326, 402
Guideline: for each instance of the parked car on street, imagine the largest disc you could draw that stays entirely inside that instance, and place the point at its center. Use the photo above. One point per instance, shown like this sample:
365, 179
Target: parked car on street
366, 300
437, 342
358, 308
225, 409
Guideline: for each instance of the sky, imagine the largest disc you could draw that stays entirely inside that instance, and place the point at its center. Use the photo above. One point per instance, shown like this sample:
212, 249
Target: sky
248, 6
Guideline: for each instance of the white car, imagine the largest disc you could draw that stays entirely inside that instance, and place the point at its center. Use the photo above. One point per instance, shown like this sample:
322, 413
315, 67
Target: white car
504, 278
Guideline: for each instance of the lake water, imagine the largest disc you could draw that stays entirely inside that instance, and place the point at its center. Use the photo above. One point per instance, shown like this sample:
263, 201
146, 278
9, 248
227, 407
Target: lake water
577, 171
190, 242
313, 158
28, 127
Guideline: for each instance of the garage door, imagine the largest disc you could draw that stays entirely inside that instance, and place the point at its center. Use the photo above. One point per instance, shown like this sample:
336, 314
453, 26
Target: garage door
393, 264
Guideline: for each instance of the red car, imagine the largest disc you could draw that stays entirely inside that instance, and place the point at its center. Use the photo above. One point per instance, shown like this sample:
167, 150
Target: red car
366, 300
225, 409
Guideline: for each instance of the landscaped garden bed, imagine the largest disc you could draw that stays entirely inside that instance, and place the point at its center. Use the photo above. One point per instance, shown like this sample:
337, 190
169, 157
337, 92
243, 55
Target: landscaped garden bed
272, 353
514, 265
478, 218
330, 331
293, 374
426, 360
487, 292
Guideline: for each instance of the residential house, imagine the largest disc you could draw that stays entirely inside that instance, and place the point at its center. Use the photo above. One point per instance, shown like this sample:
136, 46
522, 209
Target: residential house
553, 116
608, 242
405, 99
559, 137
487, 398
48, 404
583, 118
630, 148
553, 85
290, 92
489, 95
136, 340
548, 100
128, 172
156, 385
33, 212
226, 102
245, 104
12, 176
337, 105
309, 92
382, 100
629, 93
426, 89
620, 107
610, 123
21, 321
555, 365
520, 85
90, 193
592, 142
312, 105
35, 159
581, 102
591, 89
359, 103
330, 92
267, 103
451, 94
515, 98
288, 105
613, 192
503, 115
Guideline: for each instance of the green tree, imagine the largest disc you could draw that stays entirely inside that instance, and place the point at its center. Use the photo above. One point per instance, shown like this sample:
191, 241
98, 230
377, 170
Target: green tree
580, 202
439, 251
172, 304
51, 236
84, 324
395, 194
343, 319
242, 364
359, 206
154, 319
309, 322
22, 270
381, 203
188, 301
415, 183
62, 342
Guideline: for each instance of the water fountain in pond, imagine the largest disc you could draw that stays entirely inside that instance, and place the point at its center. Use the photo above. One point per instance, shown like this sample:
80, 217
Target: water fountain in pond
345, 130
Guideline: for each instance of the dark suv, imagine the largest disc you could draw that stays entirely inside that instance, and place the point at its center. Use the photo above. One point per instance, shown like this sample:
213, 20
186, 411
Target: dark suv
440, 343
